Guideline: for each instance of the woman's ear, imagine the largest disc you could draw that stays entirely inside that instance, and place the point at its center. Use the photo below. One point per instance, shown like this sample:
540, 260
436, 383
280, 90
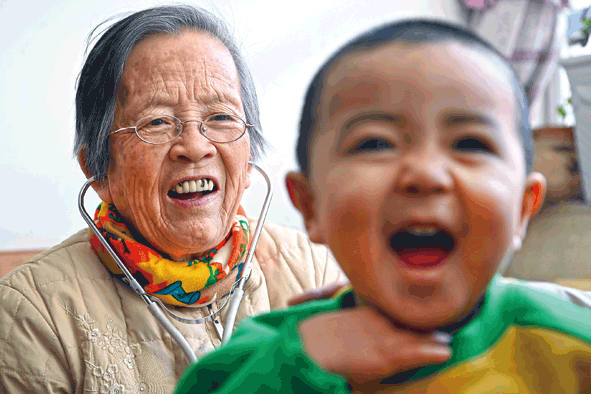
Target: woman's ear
533, 199
301, 196
101, 188
247, 179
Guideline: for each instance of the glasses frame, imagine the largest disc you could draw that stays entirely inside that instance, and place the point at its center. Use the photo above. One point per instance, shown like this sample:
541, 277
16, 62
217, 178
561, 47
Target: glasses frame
200, 127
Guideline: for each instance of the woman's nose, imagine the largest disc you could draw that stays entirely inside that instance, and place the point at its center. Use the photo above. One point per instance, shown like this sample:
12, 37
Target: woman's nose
424, 172
192, 145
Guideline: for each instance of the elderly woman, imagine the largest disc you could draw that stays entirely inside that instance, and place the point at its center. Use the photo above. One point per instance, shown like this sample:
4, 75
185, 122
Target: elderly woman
167, 121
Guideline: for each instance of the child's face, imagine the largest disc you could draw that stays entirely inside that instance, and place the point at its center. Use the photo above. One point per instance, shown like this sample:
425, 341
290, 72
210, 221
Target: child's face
414, 140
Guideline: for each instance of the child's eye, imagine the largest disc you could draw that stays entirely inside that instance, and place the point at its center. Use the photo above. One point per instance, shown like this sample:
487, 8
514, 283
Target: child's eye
472, 145
374, 145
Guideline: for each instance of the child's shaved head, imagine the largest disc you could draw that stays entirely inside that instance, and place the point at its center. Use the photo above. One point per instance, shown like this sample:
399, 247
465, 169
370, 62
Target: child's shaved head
416, 159
417, 32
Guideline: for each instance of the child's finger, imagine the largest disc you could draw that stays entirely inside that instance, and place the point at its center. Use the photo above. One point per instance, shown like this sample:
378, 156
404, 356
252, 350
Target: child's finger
417, 354
403, 359
407, 353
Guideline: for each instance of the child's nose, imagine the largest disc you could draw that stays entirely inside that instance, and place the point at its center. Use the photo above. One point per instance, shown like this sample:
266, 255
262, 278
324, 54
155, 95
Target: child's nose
424, 172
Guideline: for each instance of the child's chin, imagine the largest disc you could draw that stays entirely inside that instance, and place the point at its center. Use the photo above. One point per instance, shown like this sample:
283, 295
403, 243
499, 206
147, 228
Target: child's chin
420, 325
423, 317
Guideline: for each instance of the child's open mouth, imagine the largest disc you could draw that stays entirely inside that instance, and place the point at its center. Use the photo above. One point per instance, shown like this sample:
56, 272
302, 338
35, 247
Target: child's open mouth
189, 190
422, 246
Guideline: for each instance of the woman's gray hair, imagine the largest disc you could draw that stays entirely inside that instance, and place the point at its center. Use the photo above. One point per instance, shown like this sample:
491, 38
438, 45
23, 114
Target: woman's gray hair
101, 75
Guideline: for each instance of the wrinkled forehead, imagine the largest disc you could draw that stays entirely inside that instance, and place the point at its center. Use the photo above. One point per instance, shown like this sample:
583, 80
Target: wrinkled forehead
179, 56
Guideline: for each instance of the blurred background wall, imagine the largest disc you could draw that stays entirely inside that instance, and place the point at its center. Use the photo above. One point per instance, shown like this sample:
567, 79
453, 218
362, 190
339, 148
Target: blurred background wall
285, 42
41, 53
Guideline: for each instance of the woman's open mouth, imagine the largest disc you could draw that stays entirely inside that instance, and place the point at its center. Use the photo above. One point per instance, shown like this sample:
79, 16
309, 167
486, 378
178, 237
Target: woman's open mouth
422, 246
192, 189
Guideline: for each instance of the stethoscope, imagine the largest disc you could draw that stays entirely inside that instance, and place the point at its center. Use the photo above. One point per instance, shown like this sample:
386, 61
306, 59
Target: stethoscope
232, 300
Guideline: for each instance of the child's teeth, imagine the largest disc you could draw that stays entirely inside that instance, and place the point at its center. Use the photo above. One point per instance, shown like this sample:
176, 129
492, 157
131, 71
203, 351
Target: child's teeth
422, 230
193, 186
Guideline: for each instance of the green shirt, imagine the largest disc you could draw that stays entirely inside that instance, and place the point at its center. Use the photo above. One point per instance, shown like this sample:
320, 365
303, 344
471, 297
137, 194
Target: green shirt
521, 340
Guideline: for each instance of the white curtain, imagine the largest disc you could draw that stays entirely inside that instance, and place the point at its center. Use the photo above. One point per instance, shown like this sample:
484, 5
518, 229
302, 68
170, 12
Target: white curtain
579, 74
526, 32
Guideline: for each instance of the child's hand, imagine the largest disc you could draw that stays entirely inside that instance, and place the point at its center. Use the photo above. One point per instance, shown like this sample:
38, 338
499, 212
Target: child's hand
362, 345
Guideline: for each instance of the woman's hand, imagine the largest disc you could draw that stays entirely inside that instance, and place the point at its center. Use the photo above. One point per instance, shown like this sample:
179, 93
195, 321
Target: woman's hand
363, 346
318, 294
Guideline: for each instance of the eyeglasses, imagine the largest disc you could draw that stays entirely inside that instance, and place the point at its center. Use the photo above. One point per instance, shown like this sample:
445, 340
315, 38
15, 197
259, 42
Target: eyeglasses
160, 129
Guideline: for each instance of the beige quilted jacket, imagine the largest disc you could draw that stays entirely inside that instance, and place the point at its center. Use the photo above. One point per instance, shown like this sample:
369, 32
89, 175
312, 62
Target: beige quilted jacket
66, 326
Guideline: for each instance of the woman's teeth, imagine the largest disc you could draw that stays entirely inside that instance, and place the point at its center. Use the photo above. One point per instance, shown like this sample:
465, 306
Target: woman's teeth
200, 185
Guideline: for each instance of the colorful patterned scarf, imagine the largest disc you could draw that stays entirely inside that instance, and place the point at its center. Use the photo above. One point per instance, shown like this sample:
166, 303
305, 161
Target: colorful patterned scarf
187, 283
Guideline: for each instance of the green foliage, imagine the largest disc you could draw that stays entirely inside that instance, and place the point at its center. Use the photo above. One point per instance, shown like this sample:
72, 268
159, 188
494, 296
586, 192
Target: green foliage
561, 109
587, 23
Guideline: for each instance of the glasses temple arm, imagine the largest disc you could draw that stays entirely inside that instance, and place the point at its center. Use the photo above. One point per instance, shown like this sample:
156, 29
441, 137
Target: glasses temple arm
124, 128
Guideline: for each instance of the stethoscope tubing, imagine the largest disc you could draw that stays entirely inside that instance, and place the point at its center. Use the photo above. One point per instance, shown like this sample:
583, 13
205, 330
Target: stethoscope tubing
239, 290
234, 297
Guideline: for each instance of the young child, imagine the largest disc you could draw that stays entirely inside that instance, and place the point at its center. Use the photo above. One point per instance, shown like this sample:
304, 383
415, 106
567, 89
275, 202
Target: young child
416, 158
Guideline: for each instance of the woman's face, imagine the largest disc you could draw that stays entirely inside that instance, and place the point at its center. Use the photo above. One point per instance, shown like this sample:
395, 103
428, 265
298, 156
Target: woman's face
190, 76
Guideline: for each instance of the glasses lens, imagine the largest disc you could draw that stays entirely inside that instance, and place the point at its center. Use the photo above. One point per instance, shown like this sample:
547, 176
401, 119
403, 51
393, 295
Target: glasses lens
158, 129
223, 127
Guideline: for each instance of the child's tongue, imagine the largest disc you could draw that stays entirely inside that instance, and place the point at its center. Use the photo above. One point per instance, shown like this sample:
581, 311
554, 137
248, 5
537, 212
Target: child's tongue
424, 257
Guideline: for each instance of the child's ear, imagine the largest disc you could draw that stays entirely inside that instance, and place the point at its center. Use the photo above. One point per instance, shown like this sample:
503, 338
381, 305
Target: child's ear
101, 188
533, 198
302, 198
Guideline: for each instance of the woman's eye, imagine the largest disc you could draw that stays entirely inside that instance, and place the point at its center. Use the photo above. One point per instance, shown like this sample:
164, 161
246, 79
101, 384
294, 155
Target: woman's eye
222, 118
154, 124
376, 144
157, 122
472, 145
